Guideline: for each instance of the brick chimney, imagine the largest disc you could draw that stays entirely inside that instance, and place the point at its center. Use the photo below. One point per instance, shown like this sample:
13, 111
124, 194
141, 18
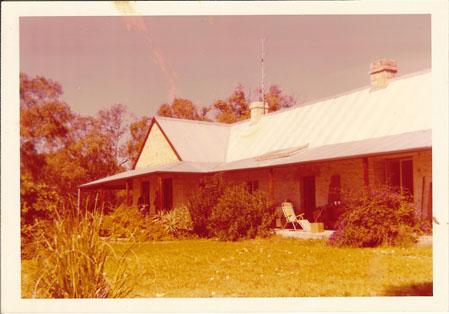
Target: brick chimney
257, 111
382, 71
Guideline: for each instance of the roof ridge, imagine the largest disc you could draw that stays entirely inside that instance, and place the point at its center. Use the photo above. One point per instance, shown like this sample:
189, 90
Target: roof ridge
334, 96
216, 123
307, 103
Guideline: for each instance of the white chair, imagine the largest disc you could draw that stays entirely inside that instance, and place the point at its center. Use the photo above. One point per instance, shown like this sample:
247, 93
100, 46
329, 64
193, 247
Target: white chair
291, 217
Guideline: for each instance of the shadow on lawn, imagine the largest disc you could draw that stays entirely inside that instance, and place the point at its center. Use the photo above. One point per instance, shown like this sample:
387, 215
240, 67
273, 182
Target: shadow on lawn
420, 289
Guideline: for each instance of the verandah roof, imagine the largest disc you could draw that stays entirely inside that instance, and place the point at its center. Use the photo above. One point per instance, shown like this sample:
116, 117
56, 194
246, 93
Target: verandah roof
389, 144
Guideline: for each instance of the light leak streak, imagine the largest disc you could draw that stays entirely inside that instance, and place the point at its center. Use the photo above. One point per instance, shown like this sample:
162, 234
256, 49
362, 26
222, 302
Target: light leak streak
134, 22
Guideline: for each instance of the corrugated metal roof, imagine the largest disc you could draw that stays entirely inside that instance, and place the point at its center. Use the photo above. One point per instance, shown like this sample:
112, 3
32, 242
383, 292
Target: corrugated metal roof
404, 106
388, 144
394, 143
197, 140
177, 167
357, 123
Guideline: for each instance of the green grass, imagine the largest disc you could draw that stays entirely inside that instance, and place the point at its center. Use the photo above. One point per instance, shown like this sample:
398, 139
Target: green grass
274, 267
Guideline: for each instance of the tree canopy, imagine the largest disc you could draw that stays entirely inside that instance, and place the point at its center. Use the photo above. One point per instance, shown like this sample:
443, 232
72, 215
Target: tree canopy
232, 109
61, 149
183, 109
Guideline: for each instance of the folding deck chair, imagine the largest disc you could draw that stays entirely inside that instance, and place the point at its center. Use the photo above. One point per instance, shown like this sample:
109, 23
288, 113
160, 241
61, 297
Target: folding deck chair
290, 217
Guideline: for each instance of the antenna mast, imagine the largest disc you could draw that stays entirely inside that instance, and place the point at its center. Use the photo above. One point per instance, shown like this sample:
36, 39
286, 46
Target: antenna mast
262, 74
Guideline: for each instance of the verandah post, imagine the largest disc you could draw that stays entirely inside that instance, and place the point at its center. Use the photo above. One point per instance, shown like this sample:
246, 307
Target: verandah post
270, 186
366, 173
78, 202
127, 192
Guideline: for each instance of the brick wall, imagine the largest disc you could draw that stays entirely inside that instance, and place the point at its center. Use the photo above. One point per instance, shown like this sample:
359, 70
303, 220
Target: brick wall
286, 181
183, 186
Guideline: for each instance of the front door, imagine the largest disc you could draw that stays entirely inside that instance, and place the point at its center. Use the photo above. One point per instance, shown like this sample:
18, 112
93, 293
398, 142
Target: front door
308, 196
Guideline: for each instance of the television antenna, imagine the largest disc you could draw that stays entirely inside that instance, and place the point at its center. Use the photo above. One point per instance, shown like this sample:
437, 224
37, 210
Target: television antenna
262, 72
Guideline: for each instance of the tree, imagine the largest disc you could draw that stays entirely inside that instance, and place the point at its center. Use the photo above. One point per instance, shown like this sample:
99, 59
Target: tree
45, 124
111, 125
277, 100
138, 129
45, 120
60, 149
183, 109
236, 107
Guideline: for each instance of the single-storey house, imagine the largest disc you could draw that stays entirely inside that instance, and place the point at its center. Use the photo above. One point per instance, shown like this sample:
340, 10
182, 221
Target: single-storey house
305, 154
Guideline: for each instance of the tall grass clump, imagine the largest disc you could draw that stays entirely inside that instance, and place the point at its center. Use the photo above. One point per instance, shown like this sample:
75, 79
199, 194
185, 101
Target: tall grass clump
72, 261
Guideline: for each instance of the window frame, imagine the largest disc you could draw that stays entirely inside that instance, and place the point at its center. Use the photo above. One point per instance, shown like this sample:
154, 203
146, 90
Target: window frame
401, 186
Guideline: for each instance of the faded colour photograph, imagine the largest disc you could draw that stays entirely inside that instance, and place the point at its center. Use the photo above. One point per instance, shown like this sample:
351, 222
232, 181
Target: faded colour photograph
226, 156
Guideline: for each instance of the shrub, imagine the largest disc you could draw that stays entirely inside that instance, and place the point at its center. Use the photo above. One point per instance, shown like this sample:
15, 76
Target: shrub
330, 215
37, 201
239, 214
72, 261
32, 236
176, 222
424, 226
129, 223
201, 203
380, 217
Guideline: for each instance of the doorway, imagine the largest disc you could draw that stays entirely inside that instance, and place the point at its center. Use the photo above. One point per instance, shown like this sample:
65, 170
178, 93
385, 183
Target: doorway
167, 192
145, 193
308, 196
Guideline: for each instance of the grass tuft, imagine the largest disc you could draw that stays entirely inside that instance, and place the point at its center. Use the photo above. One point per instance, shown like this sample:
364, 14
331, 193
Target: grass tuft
72, 261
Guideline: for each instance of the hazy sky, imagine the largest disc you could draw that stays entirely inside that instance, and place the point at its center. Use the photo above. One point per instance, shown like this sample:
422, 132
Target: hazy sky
143, 62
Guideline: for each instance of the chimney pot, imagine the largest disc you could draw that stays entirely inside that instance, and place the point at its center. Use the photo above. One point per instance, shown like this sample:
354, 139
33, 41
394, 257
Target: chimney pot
257, 110
382, 71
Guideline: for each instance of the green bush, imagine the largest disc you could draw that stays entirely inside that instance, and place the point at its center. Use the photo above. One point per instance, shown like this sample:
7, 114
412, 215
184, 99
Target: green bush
239, 214
379, 217
201, 203
176, 222
37, 201
128, 223
32, 236
424, 226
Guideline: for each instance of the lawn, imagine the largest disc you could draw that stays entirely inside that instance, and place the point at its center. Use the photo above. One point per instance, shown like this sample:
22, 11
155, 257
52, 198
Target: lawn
274, 267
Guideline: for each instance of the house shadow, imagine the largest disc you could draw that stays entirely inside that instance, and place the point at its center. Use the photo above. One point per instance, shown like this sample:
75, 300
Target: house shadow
419, 289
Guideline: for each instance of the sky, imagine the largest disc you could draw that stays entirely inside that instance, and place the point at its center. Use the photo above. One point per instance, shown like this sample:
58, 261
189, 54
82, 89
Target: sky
143, 62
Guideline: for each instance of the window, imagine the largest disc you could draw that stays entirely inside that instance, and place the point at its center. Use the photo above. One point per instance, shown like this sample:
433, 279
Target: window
400, 175
334, 197
167, 188
252, 186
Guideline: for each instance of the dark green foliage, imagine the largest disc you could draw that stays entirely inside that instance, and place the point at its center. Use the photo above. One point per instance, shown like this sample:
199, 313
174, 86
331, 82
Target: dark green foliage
129, 224
201, 203
176, 222
379, 217
33, 236
239, 214
38, 200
